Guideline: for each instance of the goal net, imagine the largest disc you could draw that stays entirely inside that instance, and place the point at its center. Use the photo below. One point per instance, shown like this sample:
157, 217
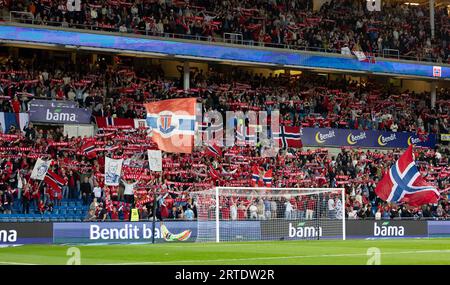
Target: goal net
247, 213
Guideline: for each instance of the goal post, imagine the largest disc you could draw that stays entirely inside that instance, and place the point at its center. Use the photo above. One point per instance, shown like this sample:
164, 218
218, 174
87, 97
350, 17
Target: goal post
259, 213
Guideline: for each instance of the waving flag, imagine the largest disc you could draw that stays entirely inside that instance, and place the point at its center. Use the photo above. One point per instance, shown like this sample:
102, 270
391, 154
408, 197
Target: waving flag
19, 120
213, 150
403, 183
173, 124
54, 181
113, 169
89, 149
288, 137
213, 173
267, 178
155, 160
40, 169
255, 175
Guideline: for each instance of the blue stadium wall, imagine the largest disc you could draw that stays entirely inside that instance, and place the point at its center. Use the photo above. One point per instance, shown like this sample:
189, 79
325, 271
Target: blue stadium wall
215, 52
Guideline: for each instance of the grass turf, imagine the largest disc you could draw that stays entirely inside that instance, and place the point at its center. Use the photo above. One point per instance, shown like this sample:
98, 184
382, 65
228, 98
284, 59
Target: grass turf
399, 251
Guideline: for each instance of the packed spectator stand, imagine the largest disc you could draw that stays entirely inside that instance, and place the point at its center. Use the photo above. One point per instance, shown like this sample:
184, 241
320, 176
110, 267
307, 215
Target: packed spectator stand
119, 92
400, 30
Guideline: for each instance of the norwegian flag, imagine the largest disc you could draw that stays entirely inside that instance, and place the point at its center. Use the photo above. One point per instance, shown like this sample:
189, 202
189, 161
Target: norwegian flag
213, 150
403, 183
54, 181
267, 178
214, 173
289, 137
255, 175
89, 149
246, 135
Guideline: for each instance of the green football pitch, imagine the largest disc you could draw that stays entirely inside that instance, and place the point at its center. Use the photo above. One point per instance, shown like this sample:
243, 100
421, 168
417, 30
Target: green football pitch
316, 252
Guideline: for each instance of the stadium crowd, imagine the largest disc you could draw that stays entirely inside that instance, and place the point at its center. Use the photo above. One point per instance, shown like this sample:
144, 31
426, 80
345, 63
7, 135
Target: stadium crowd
303, 100
119, 93
293, 24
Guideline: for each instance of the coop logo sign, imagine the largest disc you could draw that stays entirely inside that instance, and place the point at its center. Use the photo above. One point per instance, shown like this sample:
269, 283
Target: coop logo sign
49, 112
303, 231
353, 139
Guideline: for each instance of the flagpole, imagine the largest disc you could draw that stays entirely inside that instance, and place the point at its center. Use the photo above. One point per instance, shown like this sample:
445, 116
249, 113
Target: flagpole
154, 216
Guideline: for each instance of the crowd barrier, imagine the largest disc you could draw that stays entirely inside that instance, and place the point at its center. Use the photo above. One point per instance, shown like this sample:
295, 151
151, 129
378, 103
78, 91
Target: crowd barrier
141, 232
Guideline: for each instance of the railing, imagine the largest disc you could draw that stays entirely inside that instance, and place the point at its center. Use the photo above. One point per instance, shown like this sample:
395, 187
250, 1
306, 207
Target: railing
391, 53
28, 14
228, 38
233, 38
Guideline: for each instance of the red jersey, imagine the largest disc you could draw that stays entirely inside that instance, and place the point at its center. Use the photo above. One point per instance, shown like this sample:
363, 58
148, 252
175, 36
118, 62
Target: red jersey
311, 205
126, 215
226, 213
114, 216
241, 214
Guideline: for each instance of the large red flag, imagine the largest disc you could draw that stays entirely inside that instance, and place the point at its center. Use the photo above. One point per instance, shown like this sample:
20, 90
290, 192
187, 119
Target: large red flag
173, 124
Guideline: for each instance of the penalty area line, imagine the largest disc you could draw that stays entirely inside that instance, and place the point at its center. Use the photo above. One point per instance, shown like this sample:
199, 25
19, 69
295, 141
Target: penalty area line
278, 257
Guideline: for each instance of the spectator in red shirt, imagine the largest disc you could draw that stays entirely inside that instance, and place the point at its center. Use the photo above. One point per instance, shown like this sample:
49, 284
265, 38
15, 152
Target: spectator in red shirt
225, 212
310, 208
26, 198
15, 104
114, 214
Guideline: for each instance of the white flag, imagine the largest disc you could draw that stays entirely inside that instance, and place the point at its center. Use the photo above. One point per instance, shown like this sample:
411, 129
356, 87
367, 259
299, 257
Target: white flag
346, 51
113, 168
360, 55
40, 169
155, 160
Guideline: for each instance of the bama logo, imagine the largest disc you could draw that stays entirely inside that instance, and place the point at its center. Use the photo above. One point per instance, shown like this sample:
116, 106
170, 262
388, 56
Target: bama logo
386, 230
8, 236
301, 231
385, 140
59, 116
353, 139
321, 138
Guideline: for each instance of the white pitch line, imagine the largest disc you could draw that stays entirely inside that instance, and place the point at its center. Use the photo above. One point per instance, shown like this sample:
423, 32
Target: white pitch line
15, 263
278, 257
